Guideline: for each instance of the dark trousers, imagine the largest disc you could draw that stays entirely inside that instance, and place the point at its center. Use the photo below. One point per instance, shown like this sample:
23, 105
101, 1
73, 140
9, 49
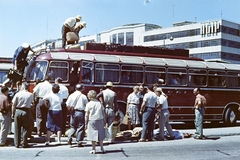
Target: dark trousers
77, 125
65, 30
21, 124
148, 123
41, 117
64, 115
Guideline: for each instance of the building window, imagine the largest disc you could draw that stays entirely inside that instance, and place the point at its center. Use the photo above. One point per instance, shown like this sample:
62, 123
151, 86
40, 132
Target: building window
121, 38
129, 38
114, 38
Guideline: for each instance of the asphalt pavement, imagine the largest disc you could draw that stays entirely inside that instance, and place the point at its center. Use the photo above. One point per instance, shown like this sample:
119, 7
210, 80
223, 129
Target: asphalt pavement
208, 132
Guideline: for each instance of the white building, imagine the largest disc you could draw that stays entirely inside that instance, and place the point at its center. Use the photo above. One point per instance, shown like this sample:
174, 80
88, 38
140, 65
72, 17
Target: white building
215, 40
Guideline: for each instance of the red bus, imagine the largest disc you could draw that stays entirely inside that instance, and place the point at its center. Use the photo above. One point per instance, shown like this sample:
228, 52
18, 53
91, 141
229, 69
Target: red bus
220, 83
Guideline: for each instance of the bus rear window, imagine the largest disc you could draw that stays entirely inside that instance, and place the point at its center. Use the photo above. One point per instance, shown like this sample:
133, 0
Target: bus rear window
58, 69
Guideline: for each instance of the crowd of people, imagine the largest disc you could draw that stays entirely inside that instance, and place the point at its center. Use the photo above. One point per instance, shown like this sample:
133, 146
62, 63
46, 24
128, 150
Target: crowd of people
146, 105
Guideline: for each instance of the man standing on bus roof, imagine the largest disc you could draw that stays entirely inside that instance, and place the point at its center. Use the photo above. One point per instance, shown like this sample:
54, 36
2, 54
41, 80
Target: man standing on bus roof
19, 57
199, 105
109, 100
69, 26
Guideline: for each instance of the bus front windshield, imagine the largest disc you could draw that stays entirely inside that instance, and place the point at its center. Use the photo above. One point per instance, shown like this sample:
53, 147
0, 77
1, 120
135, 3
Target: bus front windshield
36, 71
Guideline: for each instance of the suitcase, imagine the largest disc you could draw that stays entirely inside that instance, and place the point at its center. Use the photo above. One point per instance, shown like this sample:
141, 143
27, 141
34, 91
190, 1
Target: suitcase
71, 37
14, 75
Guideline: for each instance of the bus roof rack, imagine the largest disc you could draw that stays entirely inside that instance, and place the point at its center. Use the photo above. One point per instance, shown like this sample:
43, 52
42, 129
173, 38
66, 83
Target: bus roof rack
136, 49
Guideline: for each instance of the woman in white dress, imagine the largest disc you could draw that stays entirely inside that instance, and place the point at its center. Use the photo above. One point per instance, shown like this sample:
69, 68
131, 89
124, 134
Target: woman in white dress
95, 121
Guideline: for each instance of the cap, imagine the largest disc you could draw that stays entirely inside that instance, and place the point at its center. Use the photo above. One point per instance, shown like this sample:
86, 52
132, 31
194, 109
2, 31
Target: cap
159, 89
79, 17
83, 24
79, 87
25, 45
109, 84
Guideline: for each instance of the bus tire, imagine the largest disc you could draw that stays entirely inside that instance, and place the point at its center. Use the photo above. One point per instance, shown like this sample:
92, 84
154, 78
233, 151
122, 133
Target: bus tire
230, 117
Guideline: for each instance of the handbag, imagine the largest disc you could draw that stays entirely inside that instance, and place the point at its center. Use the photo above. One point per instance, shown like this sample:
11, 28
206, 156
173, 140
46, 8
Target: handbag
125, 120
107, 134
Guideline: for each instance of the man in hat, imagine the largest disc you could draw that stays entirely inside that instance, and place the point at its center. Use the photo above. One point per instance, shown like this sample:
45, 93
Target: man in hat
19, 58
109, 100
69, 26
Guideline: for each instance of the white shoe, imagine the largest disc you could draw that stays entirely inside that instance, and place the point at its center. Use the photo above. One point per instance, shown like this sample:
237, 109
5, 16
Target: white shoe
92, 152
47, 143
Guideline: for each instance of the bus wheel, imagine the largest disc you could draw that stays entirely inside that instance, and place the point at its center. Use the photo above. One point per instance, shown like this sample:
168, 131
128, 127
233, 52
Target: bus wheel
230, 117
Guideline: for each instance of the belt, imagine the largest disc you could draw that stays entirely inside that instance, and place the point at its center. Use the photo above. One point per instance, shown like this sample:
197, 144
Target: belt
78, 110
133, 103
23, 108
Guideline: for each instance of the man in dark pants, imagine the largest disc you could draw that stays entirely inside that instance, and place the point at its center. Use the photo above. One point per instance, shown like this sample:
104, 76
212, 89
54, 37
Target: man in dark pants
148, 114
21, 114
76, 103
68, 26
40, 90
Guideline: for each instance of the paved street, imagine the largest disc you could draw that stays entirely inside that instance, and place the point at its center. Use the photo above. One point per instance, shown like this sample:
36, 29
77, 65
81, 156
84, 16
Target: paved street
221, 143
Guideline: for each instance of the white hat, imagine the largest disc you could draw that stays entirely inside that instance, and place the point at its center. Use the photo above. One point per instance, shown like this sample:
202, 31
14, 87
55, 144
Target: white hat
159, 89
79, 17
25, 45
109, 84
83, 24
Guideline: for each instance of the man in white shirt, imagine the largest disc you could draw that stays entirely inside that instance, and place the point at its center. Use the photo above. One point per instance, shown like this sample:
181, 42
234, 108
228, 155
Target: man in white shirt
164, 115
41, 90
148, 109
76, 103
22, 103
68, 26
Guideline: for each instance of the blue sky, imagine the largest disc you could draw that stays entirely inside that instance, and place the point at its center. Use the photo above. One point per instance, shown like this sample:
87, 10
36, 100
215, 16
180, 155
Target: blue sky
33, 21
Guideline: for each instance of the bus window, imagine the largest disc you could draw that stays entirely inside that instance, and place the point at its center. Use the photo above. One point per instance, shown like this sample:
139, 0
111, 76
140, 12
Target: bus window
107, 72
197, 77
37, 71
58, 69
87, 72
177, 76
154, 75
132, 74
233, 79
216, 78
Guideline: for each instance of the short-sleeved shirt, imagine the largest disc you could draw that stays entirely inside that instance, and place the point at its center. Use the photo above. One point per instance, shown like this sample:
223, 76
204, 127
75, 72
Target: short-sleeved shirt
95, 109
4, 103
151, 99
201, 98
23, 99
70, 21
133, 98
42, 89
63, 91
163, 101
55, 101
20, 55
76, 101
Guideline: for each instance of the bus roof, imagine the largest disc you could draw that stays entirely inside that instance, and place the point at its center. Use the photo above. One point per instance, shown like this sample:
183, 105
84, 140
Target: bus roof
115, 57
